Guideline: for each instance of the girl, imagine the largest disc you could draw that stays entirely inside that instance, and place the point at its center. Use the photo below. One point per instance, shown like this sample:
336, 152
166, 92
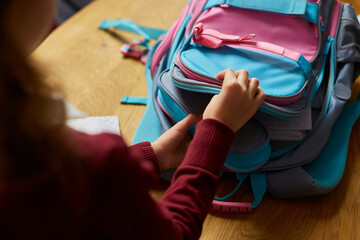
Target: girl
56, 183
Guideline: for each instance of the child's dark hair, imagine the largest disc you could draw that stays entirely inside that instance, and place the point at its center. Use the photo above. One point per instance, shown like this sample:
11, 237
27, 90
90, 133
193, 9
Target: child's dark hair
32, 139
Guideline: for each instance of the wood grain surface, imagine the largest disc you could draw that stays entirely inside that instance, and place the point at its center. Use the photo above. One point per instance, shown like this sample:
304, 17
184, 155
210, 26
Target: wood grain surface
85, 63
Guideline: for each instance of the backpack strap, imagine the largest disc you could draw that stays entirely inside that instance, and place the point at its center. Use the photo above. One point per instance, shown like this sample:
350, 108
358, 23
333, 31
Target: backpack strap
129, 26
328, 168
134, 100
306, 10
149, 128
241, 178
291, 7
147, 33
258, 184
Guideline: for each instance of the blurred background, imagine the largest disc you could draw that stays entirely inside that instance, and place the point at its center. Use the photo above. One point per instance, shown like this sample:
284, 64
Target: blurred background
67, 8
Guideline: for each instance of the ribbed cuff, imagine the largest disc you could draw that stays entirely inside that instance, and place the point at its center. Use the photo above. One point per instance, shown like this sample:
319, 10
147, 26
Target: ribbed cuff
145, 153
210, 146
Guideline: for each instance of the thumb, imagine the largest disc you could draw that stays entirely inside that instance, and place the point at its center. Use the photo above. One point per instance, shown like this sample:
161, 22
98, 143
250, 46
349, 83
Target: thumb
187, 122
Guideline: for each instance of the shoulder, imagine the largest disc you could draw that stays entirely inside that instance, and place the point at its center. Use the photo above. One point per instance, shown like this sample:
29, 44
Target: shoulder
98, 148
107, 152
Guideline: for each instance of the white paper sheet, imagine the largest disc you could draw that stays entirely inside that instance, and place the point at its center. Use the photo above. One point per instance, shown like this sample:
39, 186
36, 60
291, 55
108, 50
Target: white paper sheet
95, 125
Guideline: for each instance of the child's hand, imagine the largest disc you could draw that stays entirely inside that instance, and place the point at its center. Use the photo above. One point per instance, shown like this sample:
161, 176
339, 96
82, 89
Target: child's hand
238, 100
170, 148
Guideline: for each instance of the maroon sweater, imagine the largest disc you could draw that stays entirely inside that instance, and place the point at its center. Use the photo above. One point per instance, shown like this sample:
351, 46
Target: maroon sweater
117, 204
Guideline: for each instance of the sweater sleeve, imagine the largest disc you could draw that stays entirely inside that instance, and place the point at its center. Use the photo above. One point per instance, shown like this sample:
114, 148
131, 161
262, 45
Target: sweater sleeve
188, 199
147, 157
120, 205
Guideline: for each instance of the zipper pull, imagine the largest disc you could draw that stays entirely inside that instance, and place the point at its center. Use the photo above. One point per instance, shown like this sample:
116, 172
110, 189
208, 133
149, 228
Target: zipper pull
213, 39
199, 32
322, 25
248, 37
224, 5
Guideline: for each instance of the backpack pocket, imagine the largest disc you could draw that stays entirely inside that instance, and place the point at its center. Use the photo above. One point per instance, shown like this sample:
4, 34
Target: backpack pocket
276, 48
282, 79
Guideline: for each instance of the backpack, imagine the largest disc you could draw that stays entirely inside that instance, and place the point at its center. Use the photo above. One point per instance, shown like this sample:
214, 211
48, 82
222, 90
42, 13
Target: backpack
306, 56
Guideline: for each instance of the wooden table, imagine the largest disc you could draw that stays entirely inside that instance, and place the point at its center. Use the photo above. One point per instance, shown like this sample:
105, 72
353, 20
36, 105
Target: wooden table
86, 64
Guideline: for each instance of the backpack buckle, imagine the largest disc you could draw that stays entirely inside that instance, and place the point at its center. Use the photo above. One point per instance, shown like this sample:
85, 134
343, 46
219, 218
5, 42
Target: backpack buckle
130, 50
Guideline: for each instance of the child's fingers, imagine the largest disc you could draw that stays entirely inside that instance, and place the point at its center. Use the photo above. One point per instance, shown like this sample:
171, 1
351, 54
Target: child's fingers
259, 96
253, 87
243, 77
187, 122
221, 75
242, 71
229, 79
